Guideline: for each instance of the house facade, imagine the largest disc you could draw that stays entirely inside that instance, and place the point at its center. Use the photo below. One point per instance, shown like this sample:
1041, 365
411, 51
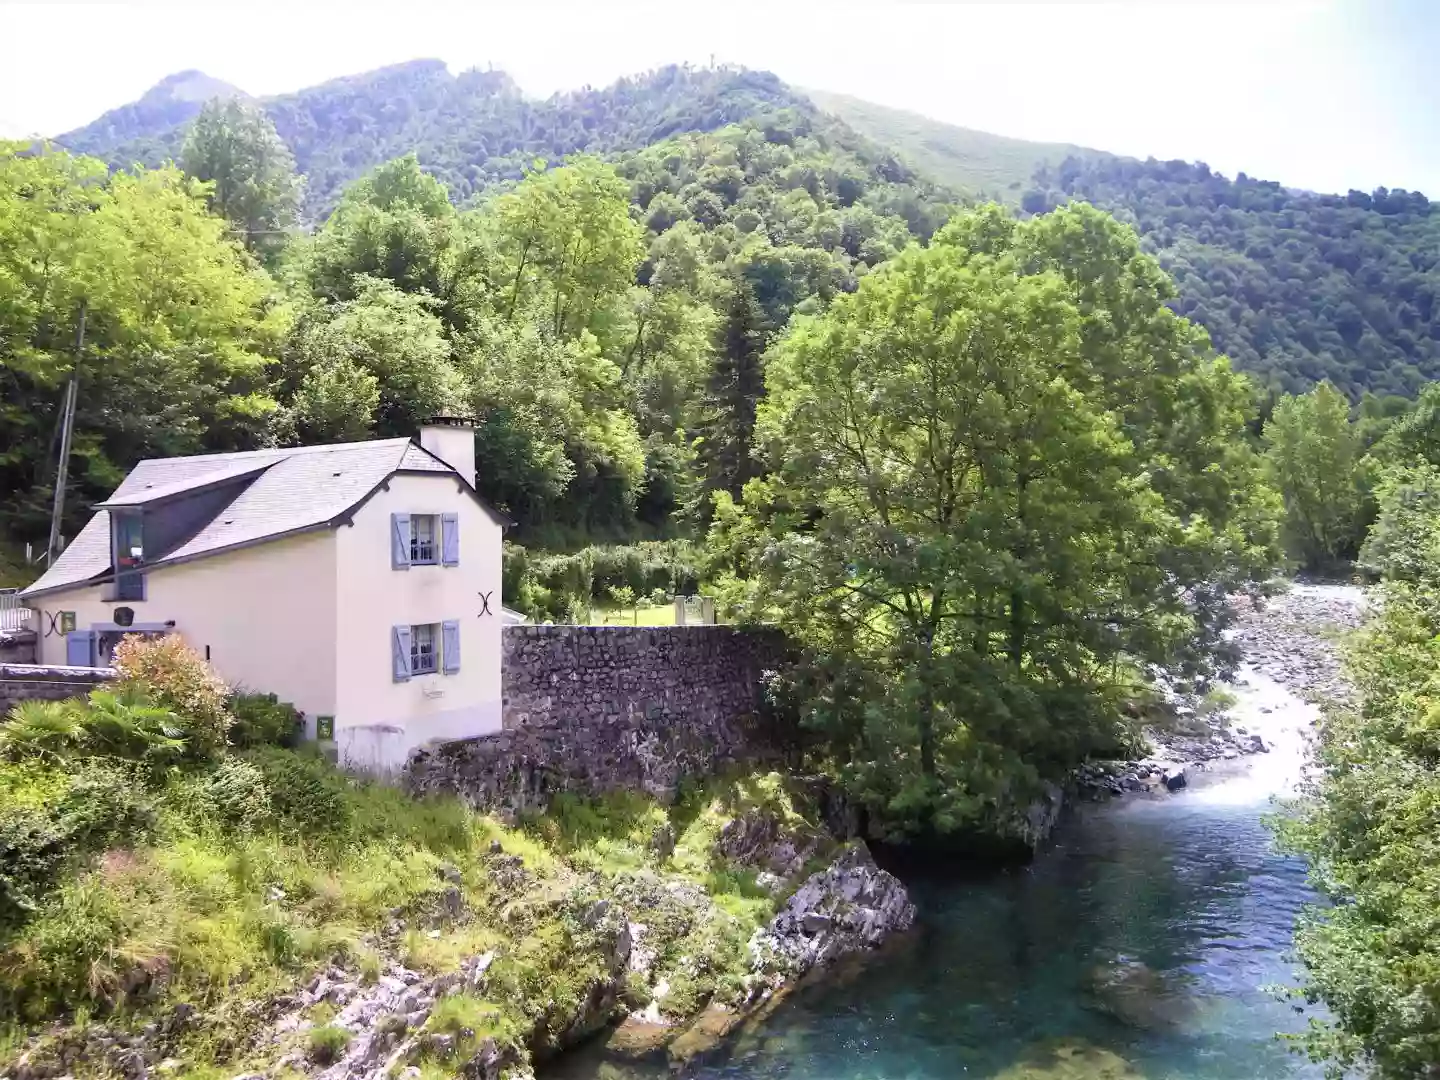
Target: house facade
360, 582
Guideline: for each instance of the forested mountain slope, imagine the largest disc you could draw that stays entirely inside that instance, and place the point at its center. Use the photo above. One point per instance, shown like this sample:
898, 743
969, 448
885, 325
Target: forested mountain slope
974, 162
147, 129
468, 130
1293, 286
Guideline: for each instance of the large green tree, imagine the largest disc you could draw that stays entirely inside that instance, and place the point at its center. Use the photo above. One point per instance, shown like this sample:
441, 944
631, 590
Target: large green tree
568, 247
965, 520
178, 327
1314, 452
233, 147
1368, 823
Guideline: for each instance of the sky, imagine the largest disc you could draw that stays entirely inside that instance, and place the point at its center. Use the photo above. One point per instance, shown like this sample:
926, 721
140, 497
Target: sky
1318, 94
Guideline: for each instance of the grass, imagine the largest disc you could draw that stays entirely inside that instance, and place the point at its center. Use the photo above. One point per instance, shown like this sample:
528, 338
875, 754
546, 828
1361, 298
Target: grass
229, 882
642, 615
327, 1044
973, 162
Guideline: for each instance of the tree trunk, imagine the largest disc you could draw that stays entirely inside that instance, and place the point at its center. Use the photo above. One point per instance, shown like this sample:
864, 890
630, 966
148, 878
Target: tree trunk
1018, 626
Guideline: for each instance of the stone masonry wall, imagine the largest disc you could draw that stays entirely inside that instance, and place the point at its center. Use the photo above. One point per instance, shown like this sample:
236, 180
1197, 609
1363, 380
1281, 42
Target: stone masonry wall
17, 646
34, 682
592, 708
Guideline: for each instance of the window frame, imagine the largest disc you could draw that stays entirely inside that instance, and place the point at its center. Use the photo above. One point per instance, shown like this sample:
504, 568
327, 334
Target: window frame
129, 583
436, 635
416, 541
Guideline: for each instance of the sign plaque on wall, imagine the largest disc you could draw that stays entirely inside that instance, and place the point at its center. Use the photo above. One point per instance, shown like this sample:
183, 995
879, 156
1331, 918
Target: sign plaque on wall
325, 728
67, 621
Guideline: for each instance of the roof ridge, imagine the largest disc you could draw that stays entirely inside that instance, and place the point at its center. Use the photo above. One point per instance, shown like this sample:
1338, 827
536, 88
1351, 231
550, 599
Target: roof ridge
286, 451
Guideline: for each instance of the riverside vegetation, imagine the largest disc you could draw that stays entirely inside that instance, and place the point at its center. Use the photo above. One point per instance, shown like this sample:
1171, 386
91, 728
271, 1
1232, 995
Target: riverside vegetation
185, 889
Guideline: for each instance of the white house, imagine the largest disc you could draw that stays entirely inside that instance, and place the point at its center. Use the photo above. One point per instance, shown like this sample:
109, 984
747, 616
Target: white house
359, 581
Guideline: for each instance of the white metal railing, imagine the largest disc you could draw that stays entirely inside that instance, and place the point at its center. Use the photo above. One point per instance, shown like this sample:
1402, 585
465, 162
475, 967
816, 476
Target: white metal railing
14, 615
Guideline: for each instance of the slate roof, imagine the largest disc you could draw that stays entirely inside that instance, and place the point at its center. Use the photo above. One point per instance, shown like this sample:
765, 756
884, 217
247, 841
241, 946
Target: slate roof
287, 491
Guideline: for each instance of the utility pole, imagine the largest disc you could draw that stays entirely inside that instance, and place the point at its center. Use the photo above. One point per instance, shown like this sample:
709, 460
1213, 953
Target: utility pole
67, 427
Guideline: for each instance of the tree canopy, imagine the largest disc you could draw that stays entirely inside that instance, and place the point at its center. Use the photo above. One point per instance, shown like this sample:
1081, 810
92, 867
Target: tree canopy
1296, 287
233, 147
179, 328
965, 518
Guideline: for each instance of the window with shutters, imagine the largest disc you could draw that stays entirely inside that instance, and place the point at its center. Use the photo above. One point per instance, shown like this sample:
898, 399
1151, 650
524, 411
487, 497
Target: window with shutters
424, 540
424, 648
424, 549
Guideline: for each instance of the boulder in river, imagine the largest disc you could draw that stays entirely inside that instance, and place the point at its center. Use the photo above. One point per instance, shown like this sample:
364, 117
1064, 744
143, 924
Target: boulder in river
1070, 1060
1137, 995
848, 907
1174, 779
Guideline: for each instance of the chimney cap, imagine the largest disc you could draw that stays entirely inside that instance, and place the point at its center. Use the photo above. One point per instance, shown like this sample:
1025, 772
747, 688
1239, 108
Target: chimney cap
450, 421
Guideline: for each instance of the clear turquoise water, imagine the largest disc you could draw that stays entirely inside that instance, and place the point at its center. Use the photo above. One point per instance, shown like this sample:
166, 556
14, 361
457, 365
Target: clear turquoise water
998, 969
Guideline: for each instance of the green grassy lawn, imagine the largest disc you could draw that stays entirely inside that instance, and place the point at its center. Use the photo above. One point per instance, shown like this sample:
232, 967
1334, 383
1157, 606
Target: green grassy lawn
644, 615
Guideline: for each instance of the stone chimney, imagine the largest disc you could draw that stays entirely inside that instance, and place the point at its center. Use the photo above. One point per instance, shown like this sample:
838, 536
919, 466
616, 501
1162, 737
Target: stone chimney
452, 440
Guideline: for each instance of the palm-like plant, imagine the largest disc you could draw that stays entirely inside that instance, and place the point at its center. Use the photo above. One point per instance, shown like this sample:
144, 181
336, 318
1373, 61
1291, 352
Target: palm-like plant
111, 723
129, 724
43, 727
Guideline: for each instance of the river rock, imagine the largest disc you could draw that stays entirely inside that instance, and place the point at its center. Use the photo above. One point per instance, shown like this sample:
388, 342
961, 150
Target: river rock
850, 906
1174, 779
1070, 1060
762, 841
1137, 995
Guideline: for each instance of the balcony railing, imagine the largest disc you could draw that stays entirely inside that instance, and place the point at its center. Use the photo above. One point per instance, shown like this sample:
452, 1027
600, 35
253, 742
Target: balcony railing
14, 615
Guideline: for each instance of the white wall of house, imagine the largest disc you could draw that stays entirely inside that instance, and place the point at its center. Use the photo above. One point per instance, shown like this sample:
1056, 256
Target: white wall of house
379, 719
266, 613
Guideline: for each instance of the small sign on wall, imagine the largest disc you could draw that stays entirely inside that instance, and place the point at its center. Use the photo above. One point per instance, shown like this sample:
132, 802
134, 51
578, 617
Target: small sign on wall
67, 621
325, 728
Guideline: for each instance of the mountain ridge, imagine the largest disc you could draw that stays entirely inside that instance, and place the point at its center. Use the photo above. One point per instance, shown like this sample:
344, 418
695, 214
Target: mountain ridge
470, 129
1296, 287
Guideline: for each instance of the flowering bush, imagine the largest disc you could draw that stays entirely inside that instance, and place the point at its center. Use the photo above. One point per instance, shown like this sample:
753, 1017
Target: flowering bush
176, 677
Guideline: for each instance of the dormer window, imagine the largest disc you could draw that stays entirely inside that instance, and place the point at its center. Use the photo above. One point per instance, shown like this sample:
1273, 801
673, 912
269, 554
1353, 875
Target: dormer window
127, 535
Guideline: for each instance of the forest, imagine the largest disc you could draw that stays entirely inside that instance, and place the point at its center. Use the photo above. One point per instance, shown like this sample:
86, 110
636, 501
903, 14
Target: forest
1294, 287
645, 342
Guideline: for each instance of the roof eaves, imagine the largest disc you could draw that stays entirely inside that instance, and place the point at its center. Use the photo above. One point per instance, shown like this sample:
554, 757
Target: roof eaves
255, 541
32, 592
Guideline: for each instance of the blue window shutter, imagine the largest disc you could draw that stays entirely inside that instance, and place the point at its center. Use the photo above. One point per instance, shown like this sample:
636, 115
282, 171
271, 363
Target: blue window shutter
400, 541
450, 649
400, 652
80, 648
450, 539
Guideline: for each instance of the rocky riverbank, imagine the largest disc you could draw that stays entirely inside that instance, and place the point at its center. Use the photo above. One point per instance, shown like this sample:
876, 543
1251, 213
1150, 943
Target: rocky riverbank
674, 921
1291, 638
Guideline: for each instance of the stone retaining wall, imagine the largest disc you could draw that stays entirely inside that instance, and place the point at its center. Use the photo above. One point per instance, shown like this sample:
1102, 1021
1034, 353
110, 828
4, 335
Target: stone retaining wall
17, 646
36, 682
591, 709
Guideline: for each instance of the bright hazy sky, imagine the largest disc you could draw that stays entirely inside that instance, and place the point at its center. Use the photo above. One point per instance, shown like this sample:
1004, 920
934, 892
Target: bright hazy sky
1328, 95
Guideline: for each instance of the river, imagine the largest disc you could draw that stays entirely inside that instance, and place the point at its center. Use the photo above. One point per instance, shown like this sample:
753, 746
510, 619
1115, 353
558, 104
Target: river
1141, 944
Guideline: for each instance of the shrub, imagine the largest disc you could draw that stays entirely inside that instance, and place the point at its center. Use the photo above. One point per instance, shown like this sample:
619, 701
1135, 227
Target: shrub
308, 794
121, 723
71, 956
78, 815
264, 720
176, 677
235, 797
327, 1043
563, 587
